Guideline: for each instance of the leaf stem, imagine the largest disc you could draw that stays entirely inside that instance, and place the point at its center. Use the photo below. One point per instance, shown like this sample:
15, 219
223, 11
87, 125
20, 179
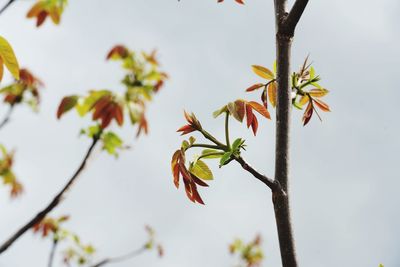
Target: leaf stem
211, 154
125, 257
208, 136
227, 129
6, 118
205, 146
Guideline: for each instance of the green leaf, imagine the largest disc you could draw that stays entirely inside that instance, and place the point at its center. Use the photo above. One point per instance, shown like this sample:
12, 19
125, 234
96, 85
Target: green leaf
220, 111
201, 170
312, 73
225, 158
237, 143
213, 152
185, 144
112, 142
192, 140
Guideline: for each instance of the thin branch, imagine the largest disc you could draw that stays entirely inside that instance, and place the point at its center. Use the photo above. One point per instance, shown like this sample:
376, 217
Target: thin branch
52, 252
54, 203
124, 257
7, 117
274, 185
228, 144
295, 14
6, 6
206, 146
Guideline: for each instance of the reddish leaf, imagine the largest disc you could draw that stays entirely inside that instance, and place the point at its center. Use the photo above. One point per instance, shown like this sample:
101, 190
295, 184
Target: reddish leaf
118, 51
254, 125
186, 129
322, 105
67, 103
260, 109
41, 17
249, 115
308, 114
254, 87
240, 109
119, 114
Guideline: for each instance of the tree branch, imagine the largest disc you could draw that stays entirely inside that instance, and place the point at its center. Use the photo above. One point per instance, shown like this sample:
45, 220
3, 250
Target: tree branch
6, 6
274, 185
54, 203
125, 257
294, 15
6, 118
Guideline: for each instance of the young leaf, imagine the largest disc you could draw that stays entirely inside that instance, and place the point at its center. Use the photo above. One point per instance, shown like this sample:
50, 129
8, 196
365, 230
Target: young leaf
8, 57
67, 103
263, 72
225, 158
260, 109
201, 170
272, 92
254, 87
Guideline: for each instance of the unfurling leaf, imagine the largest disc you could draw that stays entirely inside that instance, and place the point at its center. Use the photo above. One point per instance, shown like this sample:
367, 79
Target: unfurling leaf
322, 105
263, 72
201, 170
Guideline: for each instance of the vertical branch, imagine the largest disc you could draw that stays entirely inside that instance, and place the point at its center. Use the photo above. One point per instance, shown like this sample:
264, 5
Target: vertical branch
228, 144
54, 203
7, 117
285, 26
6, 6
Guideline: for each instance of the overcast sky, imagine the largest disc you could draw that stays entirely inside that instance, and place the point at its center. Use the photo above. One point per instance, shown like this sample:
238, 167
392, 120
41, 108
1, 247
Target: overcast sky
344, 172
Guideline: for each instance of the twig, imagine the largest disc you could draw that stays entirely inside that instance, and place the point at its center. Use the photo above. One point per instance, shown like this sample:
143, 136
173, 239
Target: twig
124, 257
54, 203
52, 252
6, 6
274, 185
295, 14
7, 117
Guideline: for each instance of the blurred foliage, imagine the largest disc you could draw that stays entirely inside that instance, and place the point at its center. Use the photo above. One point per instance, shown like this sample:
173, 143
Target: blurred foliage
143, 79
43, 9
25, 90
250, 254
7, 174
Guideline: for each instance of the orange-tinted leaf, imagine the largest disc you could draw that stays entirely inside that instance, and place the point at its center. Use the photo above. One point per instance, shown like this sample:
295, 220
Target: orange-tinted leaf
254, 87
260, 109
272, 92
304, 100
119, 114
254, 125
322, 105
35, 10
263, 72
249, 115
318, 92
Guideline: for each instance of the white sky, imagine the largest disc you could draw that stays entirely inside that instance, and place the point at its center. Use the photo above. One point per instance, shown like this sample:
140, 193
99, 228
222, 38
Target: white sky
344, 171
